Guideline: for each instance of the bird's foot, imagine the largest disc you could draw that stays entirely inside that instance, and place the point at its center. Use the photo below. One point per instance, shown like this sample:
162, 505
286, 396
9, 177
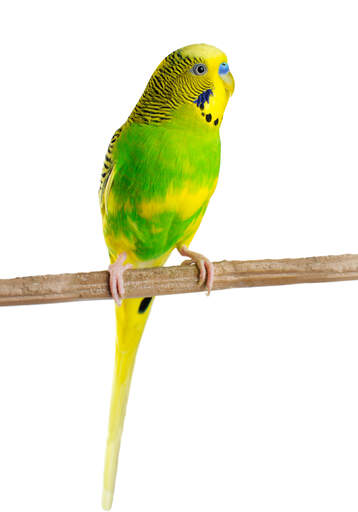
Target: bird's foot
116, 271
205, 266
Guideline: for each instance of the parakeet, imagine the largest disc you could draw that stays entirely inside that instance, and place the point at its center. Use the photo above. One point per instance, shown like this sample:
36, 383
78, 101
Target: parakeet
160, 171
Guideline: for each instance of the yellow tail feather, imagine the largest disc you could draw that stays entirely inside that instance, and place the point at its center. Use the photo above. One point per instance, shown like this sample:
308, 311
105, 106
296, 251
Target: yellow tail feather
130, 324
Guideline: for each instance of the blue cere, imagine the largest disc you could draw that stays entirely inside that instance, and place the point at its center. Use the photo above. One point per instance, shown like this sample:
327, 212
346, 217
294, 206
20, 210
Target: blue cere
203, 98
223, 68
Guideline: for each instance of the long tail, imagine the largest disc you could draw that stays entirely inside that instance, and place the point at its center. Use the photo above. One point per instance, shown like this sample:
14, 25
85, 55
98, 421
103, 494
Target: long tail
131, 317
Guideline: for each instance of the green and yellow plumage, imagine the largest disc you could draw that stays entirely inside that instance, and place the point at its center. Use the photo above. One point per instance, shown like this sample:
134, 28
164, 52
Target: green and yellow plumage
160, 171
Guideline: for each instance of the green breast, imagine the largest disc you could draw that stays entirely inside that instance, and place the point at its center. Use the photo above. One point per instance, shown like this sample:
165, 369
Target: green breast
164, 178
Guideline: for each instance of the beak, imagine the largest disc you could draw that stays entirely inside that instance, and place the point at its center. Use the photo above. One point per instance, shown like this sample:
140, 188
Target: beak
229, 83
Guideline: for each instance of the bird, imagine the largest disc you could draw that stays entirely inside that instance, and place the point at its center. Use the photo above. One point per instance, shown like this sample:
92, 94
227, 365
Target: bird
159, 173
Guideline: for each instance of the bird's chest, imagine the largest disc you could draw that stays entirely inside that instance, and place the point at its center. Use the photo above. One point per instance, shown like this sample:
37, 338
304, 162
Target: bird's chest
160, 191
176, 172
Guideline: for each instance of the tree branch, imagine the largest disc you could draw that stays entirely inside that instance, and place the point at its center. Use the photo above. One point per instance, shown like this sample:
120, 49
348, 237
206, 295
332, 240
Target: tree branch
183, 279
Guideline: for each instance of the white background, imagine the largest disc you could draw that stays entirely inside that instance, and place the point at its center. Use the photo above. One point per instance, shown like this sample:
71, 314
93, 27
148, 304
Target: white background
245, 401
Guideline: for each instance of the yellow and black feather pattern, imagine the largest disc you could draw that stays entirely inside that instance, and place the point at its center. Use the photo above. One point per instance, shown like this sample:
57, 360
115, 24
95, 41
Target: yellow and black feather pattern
170, 86
108, 165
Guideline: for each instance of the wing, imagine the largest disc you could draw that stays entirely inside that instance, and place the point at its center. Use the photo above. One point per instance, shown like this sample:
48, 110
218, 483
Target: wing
119, 229
107, 173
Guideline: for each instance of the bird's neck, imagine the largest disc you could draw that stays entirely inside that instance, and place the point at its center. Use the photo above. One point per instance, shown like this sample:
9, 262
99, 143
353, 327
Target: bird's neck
206, 111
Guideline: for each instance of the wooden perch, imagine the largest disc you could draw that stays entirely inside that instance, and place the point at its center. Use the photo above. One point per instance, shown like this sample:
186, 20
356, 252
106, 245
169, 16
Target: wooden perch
183, 279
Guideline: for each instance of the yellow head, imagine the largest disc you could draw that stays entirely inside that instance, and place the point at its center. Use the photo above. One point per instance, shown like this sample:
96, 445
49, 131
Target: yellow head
193, 82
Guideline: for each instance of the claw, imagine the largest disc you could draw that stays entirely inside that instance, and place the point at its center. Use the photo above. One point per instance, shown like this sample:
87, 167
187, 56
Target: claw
205, 267
116, 271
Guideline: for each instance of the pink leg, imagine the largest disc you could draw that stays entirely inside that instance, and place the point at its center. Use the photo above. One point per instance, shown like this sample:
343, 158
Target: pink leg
206, 268
116, 271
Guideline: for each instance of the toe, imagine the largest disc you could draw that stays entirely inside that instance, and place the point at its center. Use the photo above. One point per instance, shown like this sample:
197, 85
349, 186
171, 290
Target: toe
116, 283
209, 275
202, 272
187, 262
114, 289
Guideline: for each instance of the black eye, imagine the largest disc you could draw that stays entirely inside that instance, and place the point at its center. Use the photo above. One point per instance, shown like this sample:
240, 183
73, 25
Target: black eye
199, 69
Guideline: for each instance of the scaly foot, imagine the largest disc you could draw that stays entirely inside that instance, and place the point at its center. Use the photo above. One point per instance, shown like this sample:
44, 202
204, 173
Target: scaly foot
206, 268
116, 271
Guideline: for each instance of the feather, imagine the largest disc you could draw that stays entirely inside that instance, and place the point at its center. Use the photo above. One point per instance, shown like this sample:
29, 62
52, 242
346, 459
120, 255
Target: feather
160, 171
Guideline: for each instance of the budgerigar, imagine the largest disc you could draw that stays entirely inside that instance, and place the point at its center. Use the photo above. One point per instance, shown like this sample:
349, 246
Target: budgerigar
160, 171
